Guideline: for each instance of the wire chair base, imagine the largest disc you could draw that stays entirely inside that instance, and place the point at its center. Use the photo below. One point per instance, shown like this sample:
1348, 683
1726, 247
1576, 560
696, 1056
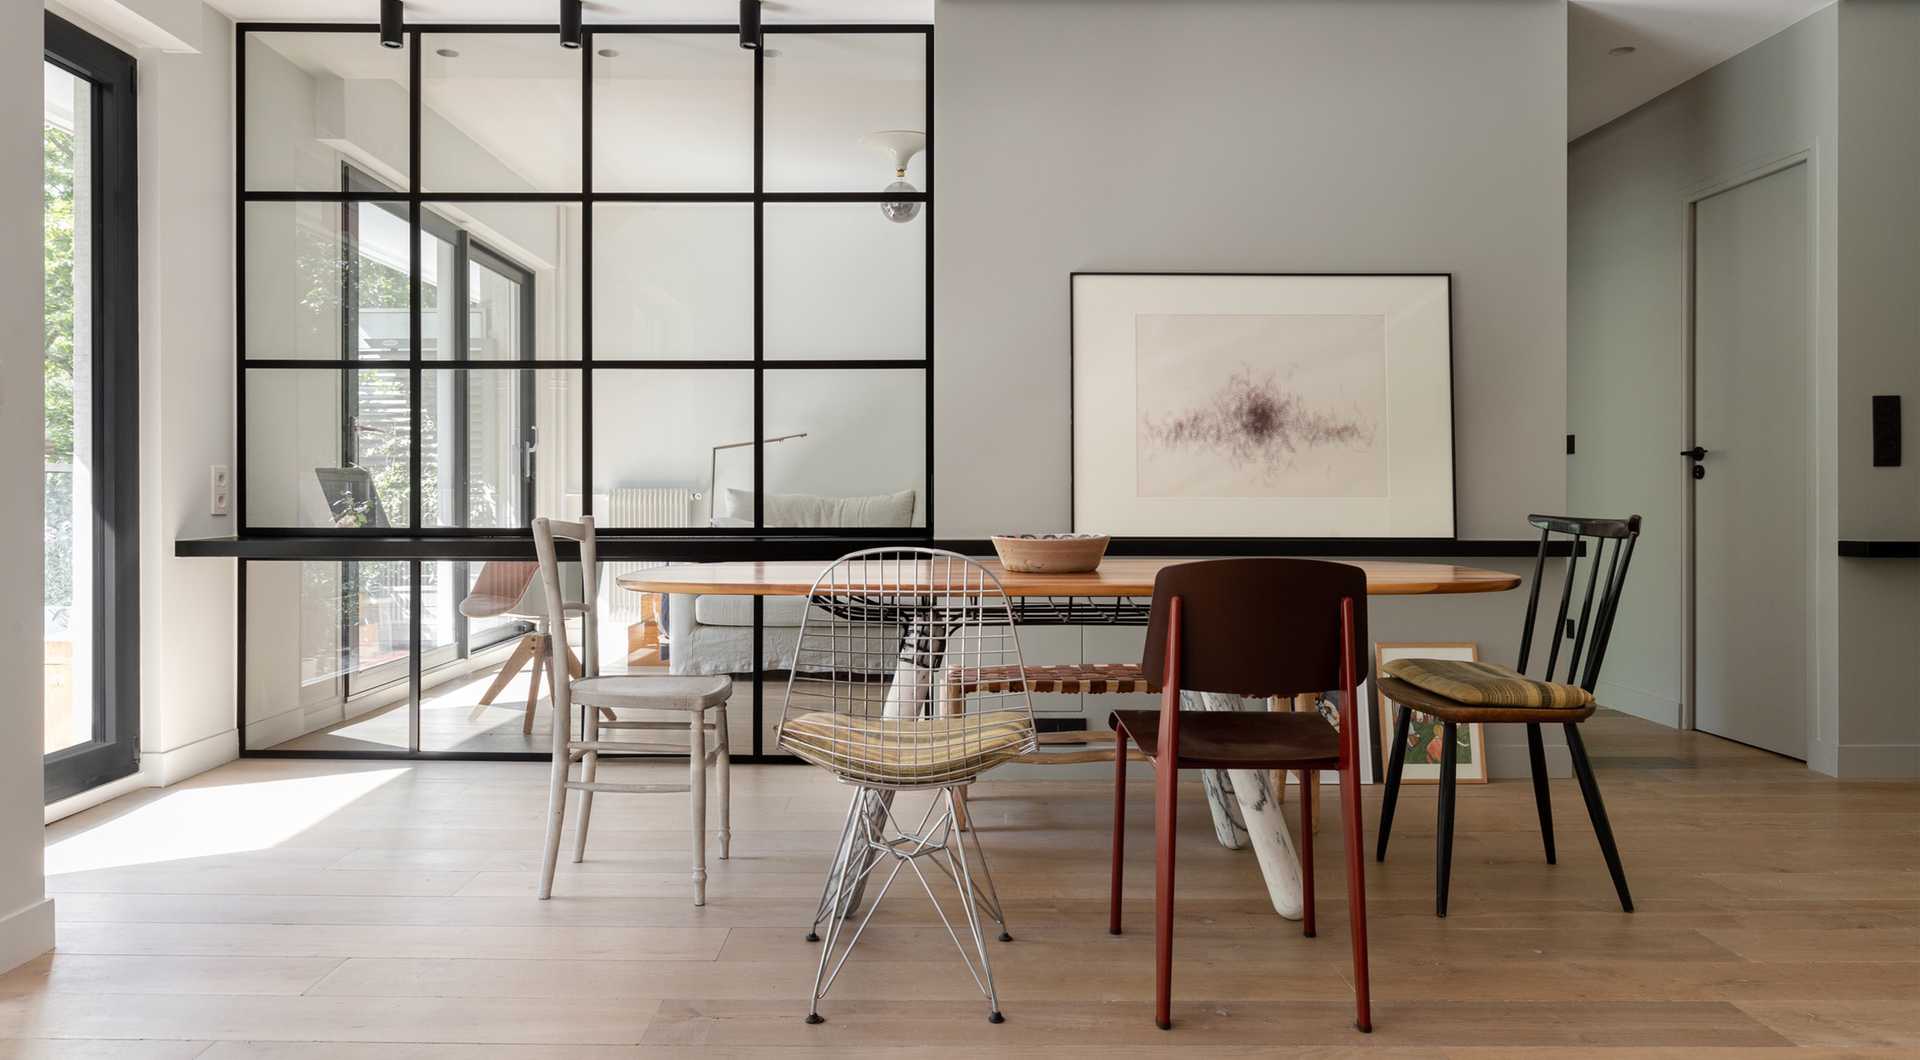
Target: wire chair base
872, 838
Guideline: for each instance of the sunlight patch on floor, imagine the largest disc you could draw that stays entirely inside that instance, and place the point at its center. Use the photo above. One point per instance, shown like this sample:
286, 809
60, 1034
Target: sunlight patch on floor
217, 819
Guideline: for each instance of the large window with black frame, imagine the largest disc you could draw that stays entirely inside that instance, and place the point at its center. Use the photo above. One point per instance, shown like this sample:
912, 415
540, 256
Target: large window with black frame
663, 278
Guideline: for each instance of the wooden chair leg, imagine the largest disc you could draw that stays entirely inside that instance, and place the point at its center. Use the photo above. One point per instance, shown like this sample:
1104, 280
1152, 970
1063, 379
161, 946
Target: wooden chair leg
1396, 763
697, 792
1307, 808
1443, 847
1165, 820
1119, 828
556, 810
1542, 799
1356, 897
533, 689
723, 781
1597, 811
516, 661
960, 819
589, 770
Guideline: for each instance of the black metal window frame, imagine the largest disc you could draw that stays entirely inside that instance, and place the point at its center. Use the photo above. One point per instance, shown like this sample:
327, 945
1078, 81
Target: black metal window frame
114, 751
456, 543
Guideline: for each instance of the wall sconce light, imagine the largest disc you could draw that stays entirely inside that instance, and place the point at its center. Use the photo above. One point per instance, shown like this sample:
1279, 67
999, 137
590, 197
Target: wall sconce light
750, 24
902, 145
390, 27
569, 23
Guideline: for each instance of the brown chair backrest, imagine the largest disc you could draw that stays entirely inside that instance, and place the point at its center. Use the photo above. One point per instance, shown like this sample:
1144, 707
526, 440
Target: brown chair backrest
1257, 627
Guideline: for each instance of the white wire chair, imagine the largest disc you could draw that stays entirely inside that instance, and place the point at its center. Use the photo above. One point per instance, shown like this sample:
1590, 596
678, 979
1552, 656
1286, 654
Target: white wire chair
882, 697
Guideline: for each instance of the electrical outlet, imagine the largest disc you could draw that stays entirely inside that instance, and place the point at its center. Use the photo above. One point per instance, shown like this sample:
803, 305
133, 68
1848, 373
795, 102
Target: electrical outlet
221, 483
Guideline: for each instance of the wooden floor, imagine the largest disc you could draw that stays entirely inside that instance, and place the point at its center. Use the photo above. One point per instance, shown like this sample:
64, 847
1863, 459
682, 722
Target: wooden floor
327, 909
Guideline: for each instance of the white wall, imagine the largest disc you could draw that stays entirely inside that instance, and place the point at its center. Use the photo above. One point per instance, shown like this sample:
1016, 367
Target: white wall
1226, 135
26, 914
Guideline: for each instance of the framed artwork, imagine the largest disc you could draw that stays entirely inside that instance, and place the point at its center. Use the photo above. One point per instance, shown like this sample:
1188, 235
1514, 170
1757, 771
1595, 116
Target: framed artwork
1263, 405
1423, 750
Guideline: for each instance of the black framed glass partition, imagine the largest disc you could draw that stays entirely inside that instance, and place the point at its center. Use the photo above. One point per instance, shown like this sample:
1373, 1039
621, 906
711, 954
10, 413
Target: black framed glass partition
674, 283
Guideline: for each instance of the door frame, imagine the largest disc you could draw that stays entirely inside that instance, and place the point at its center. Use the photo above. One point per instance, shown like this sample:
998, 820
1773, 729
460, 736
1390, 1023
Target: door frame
1689, 608
115, 505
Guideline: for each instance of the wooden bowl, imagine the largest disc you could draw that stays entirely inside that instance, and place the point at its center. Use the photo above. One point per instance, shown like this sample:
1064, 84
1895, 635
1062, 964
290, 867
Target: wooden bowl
1050, 553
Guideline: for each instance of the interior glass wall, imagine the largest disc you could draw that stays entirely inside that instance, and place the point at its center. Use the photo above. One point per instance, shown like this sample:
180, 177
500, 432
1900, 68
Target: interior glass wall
663, 280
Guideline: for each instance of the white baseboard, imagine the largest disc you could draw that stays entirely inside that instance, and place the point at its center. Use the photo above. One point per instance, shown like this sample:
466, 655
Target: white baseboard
1659, 709
1888, 761
25, 934
158, 769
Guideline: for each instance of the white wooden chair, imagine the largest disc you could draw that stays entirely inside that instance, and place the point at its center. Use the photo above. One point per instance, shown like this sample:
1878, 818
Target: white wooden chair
702, 699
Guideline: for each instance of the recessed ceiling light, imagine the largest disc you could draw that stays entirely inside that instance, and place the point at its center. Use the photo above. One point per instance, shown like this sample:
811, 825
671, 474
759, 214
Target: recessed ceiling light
607, 53
446, 53
1624, 49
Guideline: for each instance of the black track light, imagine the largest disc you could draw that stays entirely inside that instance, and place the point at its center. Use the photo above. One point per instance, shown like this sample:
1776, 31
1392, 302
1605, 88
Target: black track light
569, 23
750, 24
390, 15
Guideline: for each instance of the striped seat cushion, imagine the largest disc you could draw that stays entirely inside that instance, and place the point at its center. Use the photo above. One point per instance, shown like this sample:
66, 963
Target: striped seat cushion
1485, 684
908, 750
1091, 678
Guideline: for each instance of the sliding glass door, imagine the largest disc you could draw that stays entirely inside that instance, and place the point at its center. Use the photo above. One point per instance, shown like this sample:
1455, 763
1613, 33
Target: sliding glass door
89, 400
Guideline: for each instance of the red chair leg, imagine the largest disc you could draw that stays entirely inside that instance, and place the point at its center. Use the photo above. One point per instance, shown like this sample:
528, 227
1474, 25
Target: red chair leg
1119, 826
1356, 896
1306, 850
1164, 820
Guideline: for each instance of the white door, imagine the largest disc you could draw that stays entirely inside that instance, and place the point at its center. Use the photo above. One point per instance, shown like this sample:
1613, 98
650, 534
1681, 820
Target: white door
1752, 357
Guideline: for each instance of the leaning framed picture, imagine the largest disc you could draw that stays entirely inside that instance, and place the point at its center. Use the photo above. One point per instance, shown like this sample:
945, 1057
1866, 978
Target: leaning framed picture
1263, 405
1424, 734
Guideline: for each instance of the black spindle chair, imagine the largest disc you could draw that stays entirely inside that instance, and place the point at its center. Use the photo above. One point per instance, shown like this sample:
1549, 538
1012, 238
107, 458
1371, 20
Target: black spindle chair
1598, 605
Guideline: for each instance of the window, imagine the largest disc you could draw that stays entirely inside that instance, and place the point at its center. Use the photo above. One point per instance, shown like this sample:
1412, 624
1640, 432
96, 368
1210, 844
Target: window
92, 436
485, 279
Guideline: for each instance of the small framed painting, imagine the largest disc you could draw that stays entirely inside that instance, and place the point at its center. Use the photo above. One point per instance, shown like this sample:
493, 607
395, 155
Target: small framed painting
1263, 405
1424, 736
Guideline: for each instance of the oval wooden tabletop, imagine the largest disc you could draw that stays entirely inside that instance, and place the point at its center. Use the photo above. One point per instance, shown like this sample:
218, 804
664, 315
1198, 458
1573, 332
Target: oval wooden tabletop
1117, 576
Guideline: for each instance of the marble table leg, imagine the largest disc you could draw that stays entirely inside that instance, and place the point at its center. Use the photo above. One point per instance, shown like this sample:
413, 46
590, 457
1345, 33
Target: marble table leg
1260, 810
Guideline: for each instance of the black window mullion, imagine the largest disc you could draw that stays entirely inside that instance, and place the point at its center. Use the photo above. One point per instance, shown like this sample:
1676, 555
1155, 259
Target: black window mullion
586, 276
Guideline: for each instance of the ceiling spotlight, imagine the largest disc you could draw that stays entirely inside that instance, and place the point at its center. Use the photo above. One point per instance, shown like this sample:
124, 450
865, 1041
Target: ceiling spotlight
607, 53
569, 23
390, 15
750, 24
446, 53
1624, 49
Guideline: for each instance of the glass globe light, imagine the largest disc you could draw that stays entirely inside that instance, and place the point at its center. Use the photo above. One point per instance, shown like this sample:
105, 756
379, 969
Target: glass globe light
900, 212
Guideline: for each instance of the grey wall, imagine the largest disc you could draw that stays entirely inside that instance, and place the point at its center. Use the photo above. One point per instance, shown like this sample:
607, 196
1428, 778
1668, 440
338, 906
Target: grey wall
26, 916
1839, 86
1235, 135
1628, 184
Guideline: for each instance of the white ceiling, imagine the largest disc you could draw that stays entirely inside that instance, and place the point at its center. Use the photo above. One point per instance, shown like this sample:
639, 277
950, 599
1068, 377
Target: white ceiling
1673, 40
727, 11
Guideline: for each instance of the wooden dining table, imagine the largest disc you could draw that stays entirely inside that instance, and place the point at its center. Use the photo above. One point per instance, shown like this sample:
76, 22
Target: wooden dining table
1245, 803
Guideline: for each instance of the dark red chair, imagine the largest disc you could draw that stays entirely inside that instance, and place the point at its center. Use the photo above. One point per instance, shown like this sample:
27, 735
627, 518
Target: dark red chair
1248, 627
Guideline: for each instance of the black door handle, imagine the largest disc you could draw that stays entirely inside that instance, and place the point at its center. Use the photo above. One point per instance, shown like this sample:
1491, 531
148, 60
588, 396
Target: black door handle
1695, 453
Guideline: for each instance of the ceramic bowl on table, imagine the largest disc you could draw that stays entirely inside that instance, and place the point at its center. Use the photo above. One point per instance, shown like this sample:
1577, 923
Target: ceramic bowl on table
1050, 553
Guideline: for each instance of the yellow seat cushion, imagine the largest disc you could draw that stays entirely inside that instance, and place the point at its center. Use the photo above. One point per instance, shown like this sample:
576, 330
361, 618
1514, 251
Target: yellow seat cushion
908, 751
1485, 684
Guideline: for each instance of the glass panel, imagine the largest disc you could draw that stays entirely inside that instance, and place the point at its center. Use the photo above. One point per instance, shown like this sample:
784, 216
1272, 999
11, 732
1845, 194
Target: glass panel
862, 462
506, 440
69, 595
482, 610
327, 655
843, 281
673, 282
672, 112
660, 436
315, 101
499, 112
319, 272
327, 448
828, 95
522, 280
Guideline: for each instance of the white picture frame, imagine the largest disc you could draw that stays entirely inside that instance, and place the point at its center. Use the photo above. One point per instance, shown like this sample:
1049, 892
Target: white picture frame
1263, 405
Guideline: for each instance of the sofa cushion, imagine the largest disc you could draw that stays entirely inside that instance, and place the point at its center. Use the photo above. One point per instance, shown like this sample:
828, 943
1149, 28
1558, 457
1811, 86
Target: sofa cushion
811, 510
738, 610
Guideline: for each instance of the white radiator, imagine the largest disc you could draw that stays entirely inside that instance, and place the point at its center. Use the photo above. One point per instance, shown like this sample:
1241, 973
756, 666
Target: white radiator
641, 506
